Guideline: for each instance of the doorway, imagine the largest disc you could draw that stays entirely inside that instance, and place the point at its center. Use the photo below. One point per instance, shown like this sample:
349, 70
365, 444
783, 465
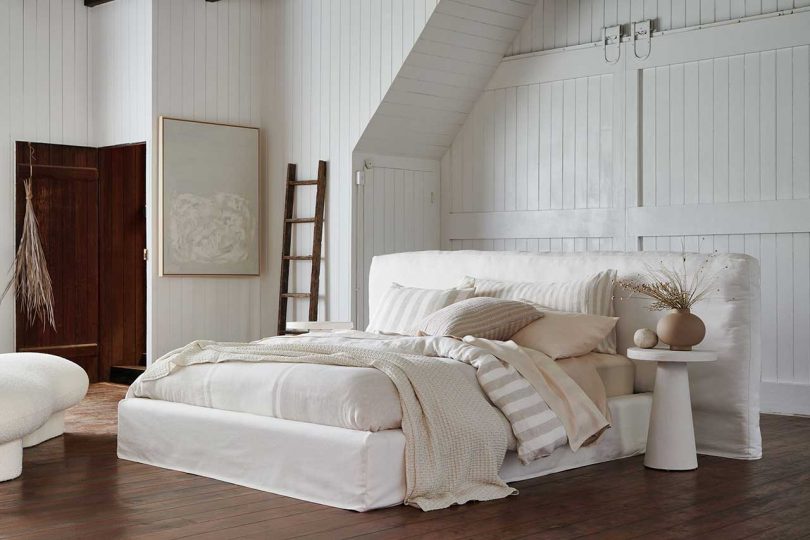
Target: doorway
91, 207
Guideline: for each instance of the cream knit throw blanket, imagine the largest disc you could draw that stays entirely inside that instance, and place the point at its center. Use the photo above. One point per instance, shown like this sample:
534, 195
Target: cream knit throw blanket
455, 441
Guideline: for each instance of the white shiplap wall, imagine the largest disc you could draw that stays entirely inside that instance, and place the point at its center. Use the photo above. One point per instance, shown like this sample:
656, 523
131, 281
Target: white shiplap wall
563, 23
44, 95
397, 209
207, 66
707, 139
329, 64
120, 57
536, 245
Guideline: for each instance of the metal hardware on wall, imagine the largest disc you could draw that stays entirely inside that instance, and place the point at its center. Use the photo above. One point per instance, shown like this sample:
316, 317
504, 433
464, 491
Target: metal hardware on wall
641, 33
612, 41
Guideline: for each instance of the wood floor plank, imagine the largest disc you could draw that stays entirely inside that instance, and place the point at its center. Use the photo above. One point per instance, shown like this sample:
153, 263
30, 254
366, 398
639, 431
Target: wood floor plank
76, 487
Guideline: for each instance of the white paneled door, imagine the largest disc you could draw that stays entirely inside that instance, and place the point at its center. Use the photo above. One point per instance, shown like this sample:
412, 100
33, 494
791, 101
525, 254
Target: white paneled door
397, 209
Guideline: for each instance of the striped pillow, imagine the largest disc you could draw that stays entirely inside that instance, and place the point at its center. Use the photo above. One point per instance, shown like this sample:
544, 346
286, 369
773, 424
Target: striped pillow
402, 309
537, 429
484, 317
592, 295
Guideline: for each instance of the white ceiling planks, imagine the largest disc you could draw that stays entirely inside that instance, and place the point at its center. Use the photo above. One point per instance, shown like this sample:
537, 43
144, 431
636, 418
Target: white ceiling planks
449, 66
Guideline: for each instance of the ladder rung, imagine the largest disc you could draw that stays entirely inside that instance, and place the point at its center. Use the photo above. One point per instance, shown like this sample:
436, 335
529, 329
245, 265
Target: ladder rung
296, 295
303, 183
300, 220
297, 257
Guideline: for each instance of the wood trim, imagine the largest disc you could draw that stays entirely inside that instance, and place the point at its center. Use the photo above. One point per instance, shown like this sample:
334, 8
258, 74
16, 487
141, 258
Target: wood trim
785, 397
750, 35
761, 217
596, 222
559, 65
58, 172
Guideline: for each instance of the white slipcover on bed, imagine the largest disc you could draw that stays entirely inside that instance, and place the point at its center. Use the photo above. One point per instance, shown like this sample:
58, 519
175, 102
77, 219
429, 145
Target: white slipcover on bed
725, 394
361, 470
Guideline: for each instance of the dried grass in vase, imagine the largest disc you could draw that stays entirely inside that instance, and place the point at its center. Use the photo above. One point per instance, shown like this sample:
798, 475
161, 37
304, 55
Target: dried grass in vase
673, 289
677, 290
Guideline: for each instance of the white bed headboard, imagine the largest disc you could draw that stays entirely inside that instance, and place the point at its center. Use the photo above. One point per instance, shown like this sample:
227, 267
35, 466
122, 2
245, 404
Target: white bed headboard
725, 394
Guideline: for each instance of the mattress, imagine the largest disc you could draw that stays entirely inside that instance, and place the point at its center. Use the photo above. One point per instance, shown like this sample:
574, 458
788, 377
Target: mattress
616, 371
356, 398
363, 399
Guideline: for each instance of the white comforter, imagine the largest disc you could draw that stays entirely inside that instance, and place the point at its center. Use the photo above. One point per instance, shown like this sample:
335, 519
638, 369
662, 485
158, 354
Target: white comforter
455, 441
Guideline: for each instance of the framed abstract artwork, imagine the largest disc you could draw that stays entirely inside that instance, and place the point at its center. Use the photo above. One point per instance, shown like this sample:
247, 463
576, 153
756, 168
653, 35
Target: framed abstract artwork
209, 198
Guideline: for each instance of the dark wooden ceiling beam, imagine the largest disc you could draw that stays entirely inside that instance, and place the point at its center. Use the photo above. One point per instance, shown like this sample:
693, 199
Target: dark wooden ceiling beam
93, 3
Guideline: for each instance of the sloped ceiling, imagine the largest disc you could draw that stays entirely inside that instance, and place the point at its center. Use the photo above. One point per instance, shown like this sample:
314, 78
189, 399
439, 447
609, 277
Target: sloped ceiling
449, 66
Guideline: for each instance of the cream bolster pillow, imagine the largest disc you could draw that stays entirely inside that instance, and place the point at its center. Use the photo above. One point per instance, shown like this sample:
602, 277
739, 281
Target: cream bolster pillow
592, 294
401, 309
483, 317
559, 334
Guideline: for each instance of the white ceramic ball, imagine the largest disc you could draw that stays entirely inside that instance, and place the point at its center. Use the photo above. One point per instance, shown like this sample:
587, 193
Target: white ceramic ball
645, 338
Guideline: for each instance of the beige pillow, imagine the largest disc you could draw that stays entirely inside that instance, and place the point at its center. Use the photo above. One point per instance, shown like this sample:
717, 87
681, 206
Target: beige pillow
560, 334
489, 318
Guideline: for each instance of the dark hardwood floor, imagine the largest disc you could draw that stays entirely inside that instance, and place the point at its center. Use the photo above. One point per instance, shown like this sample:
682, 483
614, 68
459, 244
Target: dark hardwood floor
75, 487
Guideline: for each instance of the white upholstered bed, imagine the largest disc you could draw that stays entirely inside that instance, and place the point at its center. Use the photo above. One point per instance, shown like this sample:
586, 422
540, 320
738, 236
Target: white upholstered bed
358, 461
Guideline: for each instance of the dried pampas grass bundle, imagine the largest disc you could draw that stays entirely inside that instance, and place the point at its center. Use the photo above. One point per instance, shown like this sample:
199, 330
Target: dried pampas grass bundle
672, 288
31, 278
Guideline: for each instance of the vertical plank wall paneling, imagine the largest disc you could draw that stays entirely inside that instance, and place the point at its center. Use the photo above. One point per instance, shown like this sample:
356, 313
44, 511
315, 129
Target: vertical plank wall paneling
332, 62
207, 66
562, 23
44, 92
724, 134
120, 56
743, 135
397, 209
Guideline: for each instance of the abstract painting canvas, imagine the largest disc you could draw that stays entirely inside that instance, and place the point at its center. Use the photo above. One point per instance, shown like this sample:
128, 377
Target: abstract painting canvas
209, 208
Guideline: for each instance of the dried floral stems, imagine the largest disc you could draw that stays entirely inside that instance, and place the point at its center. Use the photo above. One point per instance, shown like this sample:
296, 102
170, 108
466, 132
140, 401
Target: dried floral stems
31, 279
673, 289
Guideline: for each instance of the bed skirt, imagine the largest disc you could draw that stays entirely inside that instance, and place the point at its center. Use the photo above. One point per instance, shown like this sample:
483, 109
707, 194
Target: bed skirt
344, 468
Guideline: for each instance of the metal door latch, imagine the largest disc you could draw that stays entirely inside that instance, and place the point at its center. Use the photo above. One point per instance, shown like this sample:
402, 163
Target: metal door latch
612, 41
642, 32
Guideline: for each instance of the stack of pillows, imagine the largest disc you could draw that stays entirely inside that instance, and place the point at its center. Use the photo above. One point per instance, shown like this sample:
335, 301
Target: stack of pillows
559, 319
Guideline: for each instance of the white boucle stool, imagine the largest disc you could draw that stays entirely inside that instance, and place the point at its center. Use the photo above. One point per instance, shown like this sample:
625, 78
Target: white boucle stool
35, 390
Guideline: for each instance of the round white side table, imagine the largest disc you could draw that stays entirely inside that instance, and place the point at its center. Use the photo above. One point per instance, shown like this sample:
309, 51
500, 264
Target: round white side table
671, 436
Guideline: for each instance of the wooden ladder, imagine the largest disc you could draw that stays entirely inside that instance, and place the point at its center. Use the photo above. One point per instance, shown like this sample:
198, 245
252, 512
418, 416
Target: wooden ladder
315, 257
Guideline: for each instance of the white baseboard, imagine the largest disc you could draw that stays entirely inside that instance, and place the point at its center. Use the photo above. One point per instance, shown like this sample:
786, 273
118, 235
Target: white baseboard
785, 397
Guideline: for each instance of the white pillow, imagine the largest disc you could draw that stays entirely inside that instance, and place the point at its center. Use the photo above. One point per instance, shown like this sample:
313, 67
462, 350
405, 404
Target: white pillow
560, 334
592, 295
402, 309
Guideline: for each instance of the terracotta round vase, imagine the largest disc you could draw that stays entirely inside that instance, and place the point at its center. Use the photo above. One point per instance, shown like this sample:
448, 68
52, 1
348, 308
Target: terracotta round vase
681, 330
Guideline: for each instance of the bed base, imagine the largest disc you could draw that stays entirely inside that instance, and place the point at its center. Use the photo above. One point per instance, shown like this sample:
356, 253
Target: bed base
355, 470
